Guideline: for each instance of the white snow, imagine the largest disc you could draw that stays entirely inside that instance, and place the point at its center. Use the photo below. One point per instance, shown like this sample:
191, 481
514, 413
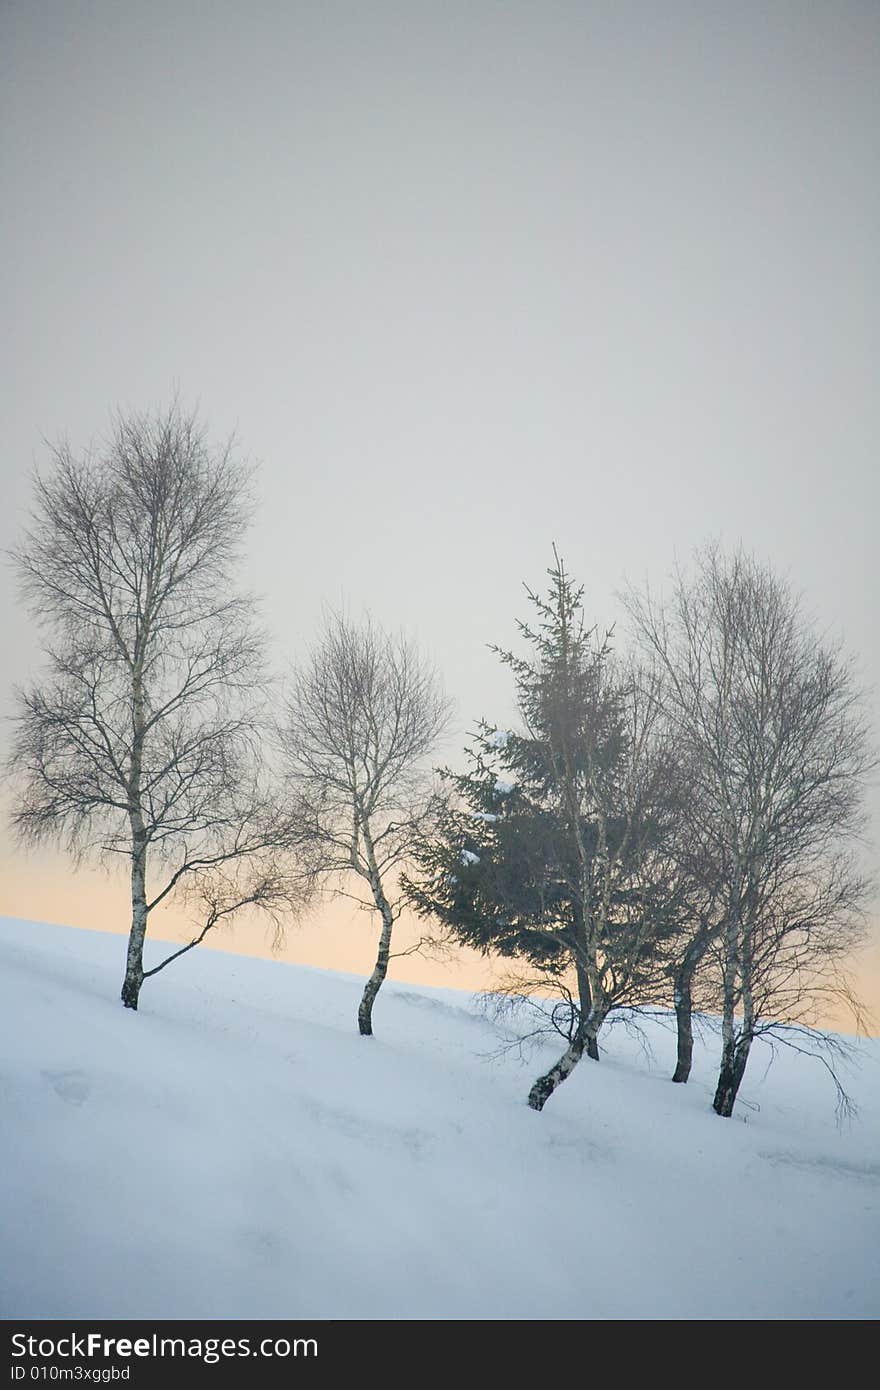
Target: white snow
499, 738
486, 816
504, 788
468, 857
235, 1149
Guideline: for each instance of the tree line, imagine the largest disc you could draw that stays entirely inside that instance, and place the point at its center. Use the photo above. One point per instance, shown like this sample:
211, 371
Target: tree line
670, 826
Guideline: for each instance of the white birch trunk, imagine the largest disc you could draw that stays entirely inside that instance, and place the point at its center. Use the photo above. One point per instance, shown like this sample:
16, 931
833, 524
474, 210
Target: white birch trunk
380, 969
561, 1070
134, 963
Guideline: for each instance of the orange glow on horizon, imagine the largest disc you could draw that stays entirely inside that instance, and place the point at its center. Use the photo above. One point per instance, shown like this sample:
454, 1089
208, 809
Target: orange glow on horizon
334, 935
45, 887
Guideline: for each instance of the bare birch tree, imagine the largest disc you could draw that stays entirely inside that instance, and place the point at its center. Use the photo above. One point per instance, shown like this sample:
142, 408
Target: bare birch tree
772, 717
364, 713
142, 739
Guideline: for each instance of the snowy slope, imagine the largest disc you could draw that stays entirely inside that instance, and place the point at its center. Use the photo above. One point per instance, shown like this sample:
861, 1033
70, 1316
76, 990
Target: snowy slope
236, 1150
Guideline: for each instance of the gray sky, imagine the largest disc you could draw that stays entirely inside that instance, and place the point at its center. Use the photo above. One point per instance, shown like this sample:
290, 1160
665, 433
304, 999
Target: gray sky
467, 278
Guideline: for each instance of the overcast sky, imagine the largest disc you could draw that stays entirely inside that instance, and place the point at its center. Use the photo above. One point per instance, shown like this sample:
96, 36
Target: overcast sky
467, 279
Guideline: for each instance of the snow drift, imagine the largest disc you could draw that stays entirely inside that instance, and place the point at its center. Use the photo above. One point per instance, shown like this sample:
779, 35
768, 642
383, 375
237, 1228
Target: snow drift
236, 1150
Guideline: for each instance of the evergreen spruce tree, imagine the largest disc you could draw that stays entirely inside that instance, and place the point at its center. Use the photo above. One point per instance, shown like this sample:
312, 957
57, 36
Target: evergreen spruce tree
552, 847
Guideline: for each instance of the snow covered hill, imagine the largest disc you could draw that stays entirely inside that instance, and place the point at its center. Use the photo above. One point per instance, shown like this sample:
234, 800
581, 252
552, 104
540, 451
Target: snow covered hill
236, 1150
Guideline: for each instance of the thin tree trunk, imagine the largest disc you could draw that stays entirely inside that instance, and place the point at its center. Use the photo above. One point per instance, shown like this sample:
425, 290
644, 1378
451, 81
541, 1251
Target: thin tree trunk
684, 1009
727, 1077
134, 965
684, 1005
733, 1065
380, 970
684, 1025
728, 1035
735, 1052
580, 1043
546, 1084
584, 1040
585, 999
